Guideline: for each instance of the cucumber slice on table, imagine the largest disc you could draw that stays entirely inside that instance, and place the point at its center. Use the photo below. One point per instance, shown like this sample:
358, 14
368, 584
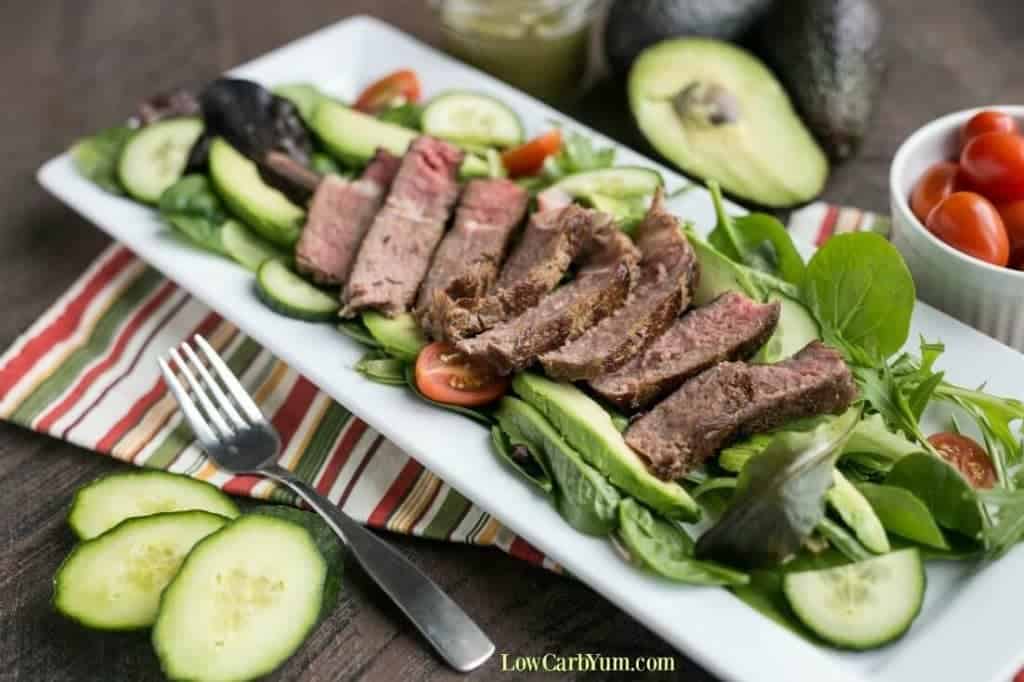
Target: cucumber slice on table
618, 182
247, 248
108, 501
154, 157
287, 293
114, 581
861, 605
243, 601
472, 118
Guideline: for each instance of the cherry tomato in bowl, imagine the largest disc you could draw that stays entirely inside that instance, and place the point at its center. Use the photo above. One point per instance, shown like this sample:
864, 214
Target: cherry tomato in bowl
937, 183
447, 376
969, 458
970, 223
988, 121
1012, 214
993, 165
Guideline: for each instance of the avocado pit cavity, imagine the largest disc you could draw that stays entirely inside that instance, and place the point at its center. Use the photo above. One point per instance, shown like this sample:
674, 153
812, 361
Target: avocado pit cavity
706, 104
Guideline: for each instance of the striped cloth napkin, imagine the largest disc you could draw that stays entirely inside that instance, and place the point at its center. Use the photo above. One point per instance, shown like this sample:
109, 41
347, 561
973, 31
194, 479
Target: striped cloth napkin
86, 372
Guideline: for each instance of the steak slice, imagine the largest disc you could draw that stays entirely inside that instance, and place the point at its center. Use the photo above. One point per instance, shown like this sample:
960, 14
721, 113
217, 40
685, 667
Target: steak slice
600, 287
552, 240
668, 271
735, 399
474, 248
732, 327
396, 252
339, 216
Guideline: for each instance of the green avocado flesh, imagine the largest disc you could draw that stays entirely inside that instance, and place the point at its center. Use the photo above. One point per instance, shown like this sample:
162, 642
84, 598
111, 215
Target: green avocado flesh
718, 113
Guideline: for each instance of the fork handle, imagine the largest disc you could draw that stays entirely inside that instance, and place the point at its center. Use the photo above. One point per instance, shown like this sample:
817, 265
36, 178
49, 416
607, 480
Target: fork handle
451, 632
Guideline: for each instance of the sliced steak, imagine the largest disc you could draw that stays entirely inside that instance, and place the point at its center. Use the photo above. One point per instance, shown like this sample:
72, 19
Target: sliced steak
339, 216
550, 243
396, 253
732, 327
599, 288
474, 248
667, 273
735, 399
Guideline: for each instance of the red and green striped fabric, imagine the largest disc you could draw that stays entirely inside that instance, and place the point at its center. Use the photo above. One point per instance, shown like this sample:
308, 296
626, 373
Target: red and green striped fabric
86, 372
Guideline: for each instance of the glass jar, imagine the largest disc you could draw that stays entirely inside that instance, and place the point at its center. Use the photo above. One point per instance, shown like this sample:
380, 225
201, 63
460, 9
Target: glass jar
539, 46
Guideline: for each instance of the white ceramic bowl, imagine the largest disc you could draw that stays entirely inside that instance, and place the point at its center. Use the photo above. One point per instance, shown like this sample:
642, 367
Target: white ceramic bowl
989, 298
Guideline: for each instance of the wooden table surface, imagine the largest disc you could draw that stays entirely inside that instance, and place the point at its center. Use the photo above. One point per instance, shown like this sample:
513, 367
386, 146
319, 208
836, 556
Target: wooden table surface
75, 66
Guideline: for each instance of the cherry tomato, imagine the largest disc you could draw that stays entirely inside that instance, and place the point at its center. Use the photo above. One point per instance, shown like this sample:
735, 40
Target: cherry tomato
970, 223
527, 159
1019, 677
397, 88
1012, 214
445, 375
988, 121
993, 164
936, 184
969, 458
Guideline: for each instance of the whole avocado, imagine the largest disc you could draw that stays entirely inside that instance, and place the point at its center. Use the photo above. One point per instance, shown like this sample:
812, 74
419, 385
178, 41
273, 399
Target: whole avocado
830, 56
634, 25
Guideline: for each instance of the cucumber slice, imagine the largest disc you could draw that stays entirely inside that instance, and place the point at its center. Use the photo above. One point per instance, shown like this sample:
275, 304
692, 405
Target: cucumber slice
619, 182
259, 205
472, 118
246, 247
287, 293
114, 581
154, 157
107, 501
243, 601
862, 605
353, 136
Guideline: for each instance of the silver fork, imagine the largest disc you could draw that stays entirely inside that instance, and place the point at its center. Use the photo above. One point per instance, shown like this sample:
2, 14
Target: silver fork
234, 432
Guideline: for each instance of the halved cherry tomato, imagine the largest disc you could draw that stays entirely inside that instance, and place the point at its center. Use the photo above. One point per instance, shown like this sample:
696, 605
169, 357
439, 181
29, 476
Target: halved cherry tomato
988, 121
970, 223
527, 159
993, 164
969, 458
1012, 214
936, 184
400, 87
445, 375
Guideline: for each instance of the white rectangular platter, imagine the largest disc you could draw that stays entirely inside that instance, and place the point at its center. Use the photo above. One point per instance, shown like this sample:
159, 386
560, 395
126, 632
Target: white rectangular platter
969, 629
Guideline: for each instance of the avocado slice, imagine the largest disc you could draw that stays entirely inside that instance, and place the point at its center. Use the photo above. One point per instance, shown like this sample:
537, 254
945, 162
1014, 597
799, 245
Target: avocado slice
399, 336
634, 25
353, 137
588, 428
830, 55
585, 498
260, 206
718, 113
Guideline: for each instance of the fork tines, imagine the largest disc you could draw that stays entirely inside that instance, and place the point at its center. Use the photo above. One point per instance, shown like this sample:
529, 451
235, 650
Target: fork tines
217, 416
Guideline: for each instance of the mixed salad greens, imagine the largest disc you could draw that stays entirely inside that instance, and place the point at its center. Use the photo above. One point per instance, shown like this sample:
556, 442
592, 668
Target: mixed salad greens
820, 525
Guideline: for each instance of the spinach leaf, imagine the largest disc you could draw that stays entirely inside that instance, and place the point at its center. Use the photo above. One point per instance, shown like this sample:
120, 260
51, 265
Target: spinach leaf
756, 240
903, 513
523, 459
380, 367
872, 437
664, 548
192, 208
950, 499
779, 497
860, 291
478, 416
355, 329
96, 157
406, 115
711, 484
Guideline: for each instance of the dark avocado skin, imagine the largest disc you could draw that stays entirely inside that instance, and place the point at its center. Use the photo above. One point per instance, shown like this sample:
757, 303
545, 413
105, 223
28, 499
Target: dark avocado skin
636, 24
830, 56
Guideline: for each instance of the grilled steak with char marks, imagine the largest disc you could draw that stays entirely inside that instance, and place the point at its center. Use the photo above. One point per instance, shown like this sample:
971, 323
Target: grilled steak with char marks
339, 216
732, 327
736, 399
472, 251
600, 287
667, 274
395, 255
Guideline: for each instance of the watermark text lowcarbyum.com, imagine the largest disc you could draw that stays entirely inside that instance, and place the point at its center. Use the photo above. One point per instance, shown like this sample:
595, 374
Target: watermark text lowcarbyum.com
585, 663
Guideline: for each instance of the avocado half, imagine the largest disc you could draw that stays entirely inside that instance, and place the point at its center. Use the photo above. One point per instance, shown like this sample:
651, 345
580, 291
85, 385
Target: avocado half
718, 113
